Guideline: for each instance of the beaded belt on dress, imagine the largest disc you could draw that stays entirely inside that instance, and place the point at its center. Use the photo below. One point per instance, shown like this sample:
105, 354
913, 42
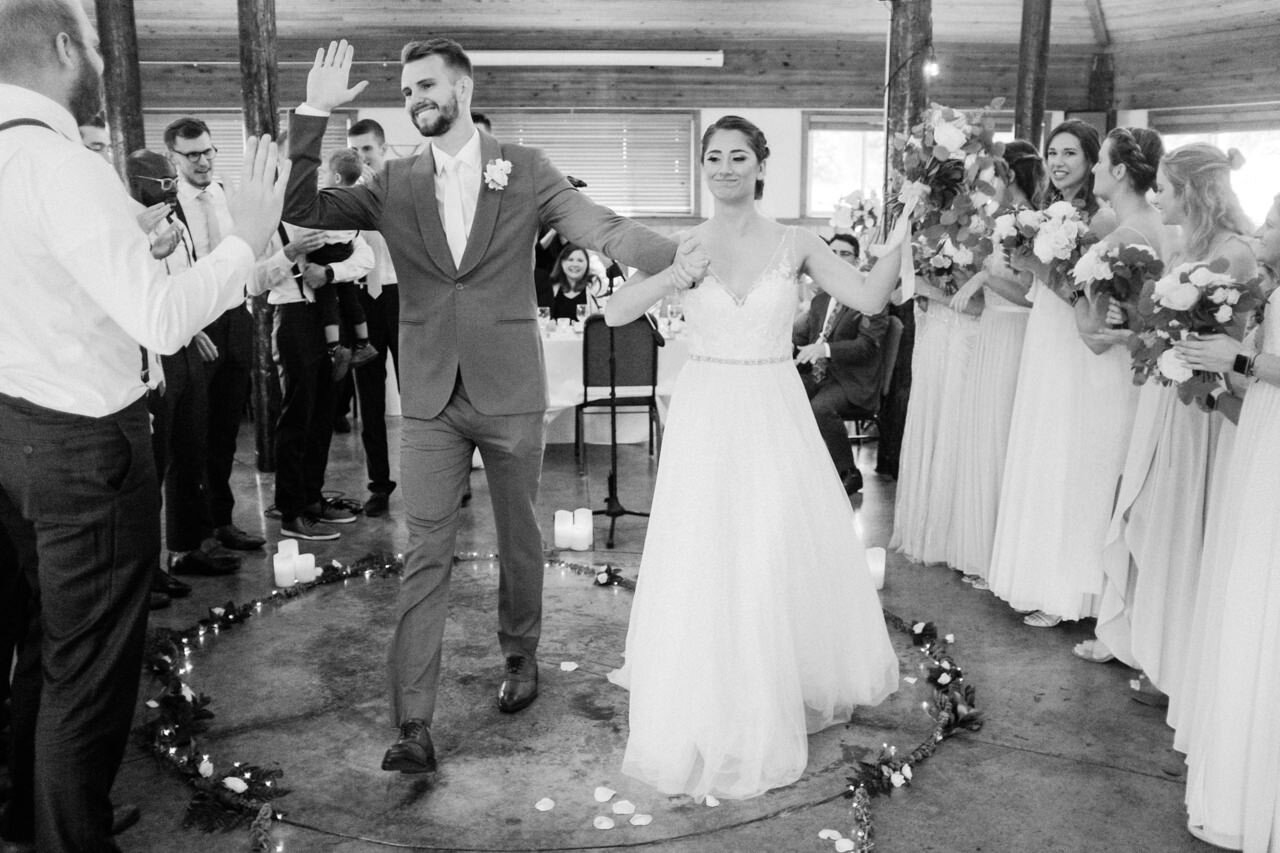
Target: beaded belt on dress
777, 359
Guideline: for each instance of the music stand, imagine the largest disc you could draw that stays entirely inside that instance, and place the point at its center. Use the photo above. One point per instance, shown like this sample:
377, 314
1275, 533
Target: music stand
613, 505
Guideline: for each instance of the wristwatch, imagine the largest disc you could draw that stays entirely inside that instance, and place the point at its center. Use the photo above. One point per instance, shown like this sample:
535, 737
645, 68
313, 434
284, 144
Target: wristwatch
328, 274
1211, 401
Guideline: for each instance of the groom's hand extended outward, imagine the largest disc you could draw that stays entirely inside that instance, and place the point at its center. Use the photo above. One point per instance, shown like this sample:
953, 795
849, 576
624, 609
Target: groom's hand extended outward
327, 80
691, 263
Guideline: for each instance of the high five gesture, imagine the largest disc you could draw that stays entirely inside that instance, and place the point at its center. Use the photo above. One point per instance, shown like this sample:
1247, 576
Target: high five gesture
327, 80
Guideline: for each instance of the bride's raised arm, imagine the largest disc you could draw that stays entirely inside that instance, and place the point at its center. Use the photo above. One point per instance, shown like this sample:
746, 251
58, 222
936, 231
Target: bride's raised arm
642, 291
866, 292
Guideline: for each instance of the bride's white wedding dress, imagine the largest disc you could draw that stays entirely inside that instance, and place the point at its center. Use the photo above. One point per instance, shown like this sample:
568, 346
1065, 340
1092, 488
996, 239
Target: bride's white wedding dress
755, 621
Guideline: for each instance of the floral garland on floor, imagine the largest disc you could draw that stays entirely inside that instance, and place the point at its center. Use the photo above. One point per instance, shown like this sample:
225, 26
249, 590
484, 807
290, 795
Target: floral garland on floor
246, 793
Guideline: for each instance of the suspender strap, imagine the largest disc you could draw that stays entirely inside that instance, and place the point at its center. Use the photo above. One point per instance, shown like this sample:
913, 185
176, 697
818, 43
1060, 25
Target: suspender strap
22, 122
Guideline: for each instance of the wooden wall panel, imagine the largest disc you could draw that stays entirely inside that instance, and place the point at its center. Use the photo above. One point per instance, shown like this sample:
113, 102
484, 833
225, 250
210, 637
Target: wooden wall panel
1236, 68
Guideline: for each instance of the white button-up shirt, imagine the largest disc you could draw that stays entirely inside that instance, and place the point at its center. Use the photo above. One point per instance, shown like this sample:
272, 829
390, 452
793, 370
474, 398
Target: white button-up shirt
79, 290
468, 161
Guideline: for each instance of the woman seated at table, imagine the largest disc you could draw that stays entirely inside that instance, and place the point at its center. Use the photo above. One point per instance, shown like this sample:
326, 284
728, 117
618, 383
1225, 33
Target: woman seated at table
572, 284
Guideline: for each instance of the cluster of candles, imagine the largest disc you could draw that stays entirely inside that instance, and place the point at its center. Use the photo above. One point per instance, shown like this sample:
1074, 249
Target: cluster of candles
574, 530
291, 567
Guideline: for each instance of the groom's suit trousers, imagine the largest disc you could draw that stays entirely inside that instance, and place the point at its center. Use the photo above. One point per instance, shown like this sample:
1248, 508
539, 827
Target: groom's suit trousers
435, 461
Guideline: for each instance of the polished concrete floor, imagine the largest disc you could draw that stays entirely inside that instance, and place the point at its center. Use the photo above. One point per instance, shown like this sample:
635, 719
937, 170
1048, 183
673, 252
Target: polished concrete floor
1066, 761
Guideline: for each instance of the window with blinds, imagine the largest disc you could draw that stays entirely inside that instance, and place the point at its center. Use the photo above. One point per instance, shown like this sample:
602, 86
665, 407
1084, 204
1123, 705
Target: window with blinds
638, 163
226, 129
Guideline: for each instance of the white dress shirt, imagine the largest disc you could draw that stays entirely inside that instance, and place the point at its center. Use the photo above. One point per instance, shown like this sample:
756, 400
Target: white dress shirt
467, 161
80, 291
286, 290
193, 210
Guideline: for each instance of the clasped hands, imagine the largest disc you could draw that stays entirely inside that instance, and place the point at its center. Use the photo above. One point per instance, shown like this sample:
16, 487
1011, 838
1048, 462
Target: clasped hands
691, 263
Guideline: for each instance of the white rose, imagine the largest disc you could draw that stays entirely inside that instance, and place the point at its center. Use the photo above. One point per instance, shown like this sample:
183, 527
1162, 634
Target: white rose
915, 190
1233, 296
1005, 226
1172, 367
1060, 210
1204, 277
963, 256
949, 137
898, 780
235, 783
1178, 296
1030, 218
843, 216
1218, 295
1223, 314
1092, 267
206, 768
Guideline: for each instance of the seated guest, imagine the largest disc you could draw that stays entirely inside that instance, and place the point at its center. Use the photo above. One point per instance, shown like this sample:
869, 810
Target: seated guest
838, 353
571, 284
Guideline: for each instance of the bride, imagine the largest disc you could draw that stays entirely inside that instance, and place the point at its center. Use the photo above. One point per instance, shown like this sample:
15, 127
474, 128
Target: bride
755, 621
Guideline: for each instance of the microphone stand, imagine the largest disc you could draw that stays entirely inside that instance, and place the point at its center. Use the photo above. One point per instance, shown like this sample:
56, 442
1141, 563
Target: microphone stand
613, 507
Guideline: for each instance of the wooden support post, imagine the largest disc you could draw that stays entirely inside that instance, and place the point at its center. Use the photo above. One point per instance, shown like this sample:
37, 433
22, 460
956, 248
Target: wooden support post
1033, 71
259, 90
906, 96
118, 37
1102, 88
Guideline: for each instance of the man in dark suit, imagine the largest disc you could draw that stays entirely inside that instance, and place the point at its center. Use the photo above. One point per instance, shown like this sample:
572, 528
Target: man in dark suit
460, 220
839, 352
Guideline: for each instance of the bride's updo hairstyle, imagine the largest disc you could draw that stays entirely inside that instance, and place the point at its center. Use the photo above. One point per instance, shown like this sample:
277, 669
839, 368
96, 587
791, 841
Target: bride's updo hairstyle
1027, 166
755, 138
1200, 176
1090, 144
1139, 150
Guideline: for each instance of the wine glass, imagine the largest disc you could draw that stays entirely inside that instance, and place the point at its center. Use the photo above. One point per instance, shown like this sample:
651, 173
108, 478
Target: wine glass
544, 317
582, 313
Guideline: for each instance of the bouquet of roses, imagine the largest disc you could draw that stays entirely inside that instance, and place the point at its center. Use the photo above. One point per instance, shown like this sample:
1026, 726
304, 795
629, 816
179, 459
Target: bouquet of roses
1014, 230
1191, 299
856, 213
1119, 272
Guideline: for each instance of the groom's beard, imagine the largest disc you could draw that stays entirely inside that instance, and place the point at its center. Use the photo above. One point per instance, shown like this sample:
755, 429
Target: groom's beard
86, 95
446, 115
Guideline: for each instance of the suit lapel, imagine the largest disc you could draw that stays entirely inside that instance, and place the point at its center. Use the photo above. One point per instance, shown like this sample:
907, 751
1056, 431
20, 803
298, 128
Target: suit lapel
486, 207
423, 179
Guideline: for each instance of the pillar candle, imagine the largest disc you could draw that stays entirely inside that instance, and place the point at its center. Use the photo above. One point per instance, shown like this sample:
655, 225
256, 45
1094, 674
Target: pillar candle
304, 566
875, 562
563, 529
282, 565
583, 529
288, 546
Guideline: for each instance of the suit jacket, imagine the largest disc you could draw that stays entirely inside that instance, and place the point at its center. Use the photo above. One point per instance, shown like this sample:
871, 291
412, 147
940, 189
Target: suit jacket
856, 349
478, 318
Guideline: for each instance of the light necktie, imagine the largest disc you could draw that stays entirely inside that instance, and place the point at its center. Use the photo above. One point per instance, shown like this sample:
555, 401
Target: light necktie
455, 224
820, 365
212, 230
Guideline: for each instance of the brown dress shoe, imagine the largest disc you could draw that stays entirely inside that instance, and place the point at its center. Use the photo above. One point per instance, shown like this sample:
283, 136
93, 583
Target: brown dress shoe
413, 752
520, 687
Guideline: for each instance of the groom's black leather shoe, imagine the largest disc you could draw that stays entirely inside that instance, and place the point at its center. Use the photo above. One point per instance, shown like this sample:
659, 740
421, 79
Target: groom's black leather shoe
520, 687
413, 752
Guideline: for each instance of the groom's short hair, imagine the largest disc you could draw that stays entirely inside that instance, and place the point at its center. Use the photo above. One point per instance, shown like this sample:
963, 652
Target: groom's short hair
447, 49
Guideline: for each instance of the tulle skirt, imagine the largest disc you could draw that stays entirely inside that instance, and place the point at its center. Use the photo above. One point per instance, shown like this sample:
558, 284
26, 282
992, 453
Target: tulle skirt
755, 620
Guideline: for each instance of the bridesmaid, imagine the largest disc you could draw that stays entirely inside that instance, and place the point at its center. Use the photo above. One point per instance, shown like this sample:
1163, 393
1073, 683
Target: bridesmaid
1040, 563
928, 466
1154, 544
1229, 734
992, 380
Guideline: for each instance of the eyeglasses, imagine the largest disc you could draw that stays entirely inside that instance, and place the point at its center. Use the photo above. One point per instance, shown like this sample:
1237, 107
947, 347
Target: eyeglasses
194, 156
845, 253
166, 184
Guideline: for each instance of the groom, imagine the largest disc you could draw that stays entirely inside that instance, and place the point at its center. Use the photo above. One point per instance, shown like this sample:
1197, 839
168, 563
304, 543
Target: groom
460, 220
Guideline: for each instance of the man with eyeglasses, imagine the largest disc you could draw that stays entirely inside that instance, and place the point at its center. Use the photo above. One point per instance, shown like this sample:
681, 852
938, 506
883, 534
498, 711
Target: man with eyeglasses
227, 349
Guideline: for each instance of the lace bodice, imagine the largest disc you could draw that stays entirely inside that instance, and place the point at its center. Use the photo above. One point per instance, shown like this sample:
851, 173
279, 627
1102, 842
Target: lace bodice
755, 326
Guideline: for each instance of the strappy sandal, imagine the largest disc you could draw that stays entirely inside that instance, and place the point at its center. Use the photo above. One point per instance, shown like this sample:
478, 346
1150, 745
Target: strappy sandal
1142, 690
1094, 651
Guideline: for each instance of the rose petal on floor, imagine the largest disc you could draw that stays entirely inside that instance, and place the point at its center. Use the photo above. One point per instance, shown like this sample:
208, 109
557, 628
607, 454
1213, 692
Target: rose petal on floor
641, 819
568, 666
844, 845
603, 822
830, 835
545, 804
604, 795
624, 807
712, 802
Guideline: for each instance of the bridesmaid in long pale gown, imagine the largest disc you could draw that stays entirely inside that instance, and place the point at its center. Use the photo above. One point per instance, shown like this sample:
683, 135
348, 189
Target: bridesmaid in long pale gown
1154, 544
1230, 734
991, 382
1051, 505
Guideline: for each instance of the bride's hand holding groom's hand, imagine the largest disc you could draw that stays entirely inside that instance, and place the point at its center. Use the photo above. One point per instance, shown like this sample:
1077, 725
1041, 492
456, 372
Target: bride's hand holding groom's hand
327, 80
691, 263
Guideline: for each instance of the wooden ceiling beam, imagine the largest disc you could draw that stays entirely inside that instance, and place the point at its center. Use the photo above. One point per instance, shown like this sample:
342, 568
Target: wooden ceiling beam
1098, 20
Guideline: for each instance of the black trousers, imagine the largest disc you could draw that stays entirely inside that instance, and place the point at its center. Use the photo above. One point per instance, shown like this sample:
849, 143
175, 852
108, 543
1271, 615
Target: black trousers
229, 389
383, 316
305, 427
180, 438
78, 498
831, 408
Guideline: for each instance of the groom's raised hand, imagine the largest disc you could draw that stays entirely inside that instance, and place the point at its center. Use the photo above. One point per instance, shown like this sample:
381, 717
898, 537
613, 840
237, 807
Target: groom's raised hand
328, 78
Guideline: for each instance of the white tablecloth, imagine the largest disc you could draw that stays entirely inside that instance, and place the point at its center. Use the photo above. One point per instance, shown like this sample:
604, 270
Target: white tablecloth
563, 355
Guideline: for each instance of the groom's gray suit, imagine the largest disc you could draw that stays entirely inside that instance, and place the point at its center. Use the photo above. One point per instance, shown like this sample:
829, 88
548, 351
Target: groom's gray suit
472, 370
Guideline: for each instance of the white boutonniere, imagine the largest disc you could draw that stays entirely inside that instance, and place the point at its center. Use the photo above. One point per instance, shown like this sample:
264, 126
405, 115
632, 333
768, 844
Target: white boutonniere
495, 174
